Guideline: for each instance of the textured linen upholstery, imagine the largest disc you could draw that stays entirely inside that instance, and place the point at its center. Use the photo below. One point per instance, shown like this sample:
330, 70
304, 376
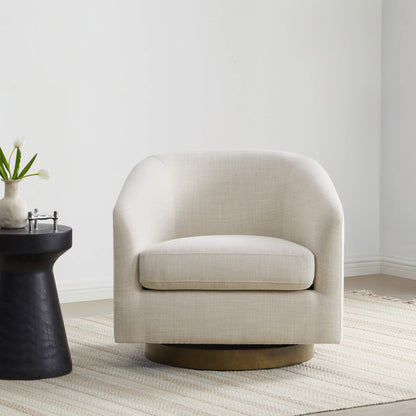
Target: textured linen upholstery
275, 194
226, 262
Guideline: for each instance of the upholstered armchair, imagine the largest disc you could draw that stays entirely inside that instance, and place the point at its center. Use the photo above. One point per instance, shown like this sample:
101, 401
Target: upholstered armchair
228, 259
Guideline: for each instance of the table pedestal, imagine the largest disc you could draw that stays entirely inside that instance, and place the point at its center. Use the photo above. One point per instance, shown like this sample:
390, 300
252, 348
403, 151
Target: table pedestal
33, 342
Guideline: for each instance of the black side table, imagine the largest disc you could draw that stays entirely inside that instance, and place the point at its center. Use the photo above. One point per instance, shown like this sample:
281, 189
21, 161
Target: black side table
33, 342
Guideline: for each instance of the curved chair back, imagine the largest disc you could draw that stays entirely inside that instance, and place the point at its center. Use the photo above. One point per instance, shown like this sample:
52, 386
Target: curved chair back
234, 192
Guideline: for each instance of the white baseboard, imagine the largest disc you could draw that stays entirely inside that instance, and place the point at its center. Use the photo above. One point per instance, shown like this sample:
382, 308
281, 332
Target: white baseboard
398, 266
358, 266
354, 266
393, 266
85, 292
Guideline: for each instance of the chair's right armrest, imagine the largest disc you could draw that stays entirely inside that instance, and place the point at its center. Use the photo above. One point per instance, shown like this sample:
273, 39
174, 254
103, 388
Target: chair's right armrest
314, 218
142, 216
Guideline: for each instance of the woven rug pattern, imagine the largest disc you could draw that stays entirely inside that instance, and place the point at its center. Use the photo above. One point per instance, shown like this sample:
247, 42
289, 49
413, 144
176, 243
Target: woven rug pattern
376, 363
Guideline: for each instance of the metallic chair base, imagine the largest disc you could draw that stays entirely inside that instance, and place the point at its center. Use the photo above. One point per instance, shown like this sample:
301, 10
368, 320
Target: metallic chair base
228, 357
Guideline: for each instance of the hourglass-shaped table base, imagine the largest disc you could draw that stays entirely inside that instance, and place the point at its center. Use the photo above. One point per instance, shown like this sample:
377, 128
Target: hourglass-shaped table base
33, 343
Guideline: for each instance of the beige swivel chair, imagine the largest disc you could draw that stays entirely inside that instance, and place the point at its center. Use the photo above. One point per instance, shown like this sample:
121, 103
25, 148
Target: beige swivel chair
228, 259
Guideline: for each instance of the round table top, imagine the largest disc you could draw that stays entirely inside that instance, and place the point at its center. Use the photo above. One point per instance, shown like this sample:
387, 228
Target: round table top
42, 240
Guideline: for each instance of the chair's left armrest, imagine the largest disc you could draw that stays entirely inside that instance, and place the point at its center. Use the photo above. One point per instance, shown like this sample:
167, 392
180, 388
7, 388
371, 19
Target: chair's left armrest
143, 216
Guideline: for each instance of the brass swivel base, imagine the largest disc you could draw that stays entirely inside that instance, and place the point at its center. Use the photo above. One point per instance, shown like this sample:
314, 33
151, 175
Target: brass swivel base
228, 357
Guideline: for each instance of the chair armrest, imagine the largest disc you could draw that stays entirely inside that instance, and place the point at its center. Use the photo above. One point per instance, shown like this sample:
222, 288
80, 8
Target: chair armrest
313, 217
142, 216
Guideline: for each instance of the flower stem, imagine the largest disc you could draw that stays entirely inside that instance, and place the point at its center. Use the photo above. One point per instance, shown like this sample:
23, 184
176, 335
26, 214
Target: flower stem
33, 174
10, 158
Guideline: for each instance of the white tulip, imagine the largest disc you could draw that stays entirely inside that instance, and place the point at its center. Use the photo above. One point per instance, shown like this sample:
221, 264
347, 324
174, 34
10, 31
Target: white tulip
44, 174
19, 142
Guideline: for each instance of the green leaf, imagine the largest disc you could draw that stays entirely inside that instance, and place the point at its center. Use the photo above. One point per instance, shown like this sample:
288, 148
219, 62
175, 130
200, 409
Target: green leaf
3, 173
4, 160
17, 164
27, 167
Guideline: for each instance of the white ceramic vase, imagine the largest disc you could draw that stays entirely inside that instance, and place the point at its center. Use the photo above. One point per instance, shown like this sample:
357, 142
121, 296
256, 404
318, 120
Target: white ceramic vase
13, 209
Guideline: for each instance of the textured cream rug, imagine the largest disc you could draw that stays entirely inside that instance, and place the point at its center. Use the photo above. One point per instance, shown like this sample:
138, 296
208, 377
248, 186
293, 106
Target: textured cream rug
376, 363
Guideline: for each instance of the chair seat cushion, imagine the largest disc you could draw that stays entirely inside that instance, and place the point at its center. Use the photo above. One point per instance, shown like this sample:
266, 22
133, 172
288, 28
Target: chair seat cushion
227, 262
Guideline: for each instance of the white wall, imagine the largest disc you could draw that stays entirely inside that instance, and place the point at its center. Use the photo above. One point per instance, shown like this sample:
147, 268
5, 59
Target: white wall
398, 142
96, 86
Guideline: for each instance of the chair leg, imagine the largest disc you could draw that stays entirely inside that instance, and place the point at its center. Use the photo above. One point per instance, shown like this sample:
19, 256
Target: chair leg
228, 357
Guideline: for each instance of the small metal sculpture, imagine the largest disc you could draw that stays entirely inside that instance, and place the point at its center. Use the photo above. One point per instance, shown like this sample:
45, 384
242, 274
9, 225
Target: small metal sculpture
34, 217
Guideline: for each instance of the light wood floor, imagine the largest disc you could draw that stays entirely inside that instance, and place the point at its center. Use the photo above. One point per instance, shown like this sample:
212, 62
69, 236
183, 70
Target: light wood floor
379, 284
